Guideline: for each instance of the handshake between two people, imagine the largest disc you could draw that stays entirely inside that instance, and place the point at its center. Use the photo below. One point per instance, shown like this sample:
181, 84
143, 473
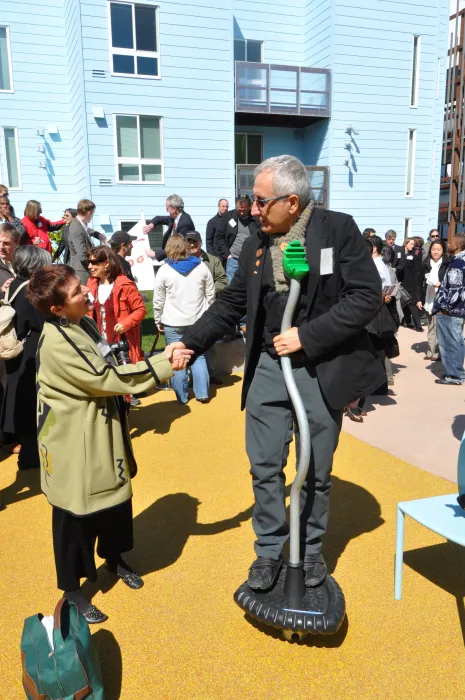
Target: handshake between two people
178, 355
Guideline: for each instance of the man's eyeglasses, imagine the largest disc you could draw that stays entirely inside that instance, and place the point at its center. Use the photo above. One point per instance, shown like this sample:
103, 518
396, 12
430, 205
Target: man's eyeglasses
261, 201
435, 236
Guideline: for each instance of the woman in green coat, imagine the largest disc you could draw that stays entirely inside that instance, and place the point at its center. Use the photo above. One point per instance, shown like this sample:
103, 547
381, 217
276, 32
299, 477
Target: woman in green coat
84, 444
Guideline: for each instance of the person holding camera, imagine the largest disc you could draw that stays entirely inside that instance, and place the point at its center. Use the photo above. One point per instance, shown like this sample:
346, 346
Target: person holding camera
86, 457
118, 305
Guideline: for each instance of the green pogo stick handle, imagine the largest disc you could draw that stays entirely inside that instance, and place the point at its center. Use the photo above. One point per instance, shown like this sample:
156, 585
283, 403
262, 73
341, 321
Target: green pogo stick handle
295, 263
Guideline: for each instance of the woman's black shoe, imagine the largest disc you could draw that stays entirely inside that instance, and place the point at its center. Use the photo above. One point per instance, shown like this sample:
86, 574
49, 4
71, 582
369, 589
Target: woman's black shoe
132, 580
94, 616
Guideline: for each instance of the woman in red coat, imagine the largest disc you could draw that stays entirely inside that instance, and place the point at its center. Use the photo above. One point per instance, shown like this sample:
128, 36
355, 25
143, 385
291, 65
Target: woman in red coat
118, 307
37, 227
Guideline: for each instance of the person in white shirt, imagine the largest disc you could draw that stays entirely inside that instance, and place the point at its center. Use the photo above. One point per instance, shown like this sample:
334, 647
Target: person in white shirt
435, 260
184, 290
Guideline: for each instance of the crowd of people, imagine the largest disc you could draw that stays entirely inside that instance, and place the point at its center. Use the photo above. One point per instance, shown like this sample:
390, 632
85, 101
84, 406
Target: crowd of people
79, 322
423, 286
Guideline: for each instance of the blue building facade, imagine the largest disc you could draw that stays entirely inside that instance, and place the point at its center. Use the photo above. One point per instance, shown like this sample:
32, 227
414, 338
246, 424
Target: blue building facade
127, 102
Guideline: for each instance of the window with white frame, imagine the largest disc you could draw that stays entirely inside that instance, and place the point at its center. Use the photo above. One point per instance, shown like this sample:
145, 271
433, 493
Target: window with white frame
249, 149
411, 148
139, 149
134, 39
407, 227
414, 80
438, 79
6, 78
247, 50
11, 157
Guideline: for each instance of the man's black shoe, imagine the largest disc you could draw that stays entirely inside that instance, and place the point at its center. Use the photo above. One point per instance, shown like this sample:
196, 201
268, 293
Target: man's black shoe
264, 572
315, 570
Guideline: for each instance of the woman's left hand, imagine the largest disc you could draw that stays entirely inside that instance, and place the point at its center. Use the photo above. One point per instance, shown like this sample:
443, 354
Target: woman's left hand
119, 328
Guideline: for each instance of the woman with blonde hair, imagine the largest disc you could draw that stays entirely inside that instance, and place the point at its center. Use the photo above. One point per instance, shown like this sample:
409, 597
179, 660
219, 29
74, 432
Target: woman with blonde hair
184, 290
38, 227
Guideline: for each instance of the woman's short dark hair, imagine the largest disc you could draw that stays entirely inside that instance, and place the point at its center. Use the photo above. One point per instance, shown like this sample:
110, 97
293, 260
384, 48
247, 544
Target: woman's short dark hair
29, 258
377, 243
102, 253
388, 254
49, 286
73, 212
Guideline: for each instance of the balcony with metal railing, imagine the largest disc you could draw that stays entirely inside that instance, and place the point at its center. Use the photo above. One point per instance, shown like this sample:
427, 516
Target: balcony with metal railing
274, 95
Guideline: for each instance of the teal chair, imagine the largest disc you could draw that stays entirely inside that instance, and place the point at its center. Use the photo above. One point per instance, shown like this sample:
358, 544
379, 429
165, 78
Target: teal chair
441, 514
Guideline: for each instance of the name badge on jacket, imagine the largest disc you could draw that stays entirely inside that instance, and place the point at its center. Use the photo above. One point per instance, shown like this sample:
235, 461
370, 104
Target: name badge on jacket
232, 222
326, 261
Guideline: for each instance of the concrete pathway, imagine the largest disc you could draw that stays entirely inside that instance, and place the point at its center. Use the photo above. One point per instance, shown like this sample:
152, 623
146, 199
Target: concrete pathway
420, 422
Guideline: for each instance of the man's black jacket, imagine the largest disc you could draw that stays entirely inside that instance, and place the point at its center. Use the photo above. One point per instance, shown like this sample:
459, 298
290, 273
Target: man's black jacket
211, 233
340, 305
226, 233
185, 225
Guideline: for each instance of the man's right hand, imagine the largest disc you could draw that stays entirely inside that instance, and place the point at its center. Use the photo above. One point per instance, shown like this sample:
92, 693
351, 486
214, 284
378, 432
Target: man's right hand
7, 284
147, 228
149, 253
178, 355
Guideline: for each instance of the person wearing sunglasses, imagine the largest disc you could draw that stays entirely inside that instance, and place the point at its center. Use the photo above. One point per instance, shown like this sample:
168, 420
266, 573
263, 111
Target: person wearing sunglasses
234, 228
334, 362
433, 236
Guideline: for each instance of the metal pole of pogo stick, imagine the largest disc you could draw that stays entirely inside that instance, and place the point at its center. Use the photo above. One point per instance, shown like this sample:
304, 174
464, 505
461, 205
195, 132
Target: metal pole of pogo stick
303, 461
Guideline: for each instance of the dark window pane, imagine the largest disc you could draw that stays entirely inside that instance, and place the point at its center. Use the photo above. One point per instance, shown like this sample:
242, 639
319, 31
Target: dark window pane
240, 149
123, 64
121, 26
254, 51
151, 173
146, 36
239, 50
254, 149
149, 137
147, 66
128, 173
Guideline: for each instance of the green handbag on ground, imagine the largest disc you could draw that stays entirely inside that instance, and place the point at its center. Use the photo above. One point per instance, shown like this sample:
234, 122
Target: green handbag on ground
67, 670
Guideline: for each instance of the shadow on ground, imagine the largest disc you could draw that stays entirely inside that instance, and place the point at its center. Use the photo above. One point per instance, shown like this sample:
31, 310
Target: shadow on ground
25, 485
458, 427
159, 417
162, 531
109, 654
444, 565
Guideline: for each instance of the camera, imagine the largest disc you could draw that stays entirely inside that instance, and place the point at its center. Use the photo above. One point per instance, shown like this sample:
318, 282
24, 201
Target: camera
121, 351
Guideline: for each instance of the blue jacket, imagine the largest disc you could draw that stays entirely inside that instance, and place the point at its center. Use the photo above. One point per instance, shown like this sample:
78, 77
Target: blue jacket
451, 295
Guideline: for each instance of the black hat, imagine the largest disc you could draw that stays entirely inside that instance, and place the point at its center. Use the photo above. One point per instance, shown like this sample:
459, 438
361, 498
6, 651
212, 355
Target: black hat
120, 237
193, 236
243, 198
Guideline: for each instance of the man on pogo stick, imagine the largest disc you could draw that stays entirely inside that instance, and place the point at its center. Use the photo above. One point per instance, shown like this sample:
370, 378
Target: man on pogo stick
333, 360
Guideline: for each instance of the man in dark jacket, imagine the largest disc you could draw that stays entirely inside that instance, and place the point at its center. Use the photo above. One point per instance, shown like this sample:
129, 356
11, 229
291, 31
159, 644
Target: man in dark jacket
333, 360
121, 243
398, 250
223, 206
449, 306
178, 221
233, 230
7, 215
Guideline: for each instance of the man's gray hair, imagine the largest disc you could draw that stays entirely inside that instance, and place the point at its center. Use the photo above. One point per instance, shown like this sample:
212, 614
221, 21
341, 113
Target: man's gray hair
390, 234
290, 176
29, 258
6, 227
174, 200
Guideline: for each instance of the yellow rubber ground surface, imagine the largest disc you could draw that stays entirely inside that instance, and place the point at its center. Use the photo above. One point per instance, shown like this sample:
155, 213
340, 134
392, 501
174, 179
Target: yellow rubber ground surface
183, 637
